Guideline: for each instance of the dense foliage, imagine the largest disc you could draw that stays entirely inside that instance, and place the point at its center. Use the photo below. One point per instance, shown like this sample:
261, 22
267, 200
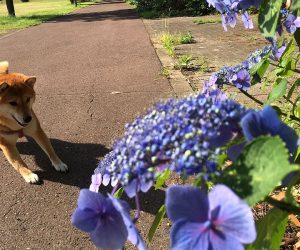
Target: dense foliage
173, 7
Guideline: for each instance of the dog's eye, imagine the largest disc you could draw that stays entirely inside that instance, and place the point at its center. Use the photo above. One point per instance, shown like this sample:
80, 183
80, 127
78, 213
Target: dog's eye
13, 103
28, 99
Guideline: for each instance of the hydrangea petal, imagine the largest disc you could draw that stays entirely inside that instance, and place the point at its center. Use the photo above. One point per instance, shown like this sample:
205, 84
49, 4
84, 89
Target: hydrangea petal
131, 188
297, 22
235, 218
96, 182
133, 234
90, 200
251, 125
85, 220
106, 179
189, 236
110, 235
185, 202
224, 243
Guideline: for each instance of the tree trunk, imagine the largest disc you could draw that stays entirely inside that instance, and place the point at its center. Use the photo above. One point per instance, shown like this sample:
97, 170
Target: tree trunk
10, 8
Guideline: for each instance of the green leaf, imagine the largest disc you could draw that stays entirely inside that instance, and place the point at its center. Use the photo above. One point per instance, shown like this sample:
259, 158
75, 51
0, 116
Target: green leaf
295, 7
118, 193
157, 220
270, 231
293, 88
278, 91
260, 71
297, 36
268, 17
161, 179
259, 169
286, 68
287, 52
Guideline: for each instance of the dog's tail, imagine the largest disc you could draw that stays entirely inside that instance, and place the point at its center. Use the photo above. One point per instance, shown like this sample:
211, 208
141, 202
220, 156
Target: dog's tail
4, 67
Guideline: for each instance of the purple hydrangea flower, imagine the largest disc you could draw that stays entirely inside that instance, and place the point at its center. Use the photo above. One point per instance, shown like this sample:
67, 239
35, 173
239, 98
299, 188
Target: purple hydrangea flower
247, 21
276, 53
267, 122
97, 215
185, 135
229, 10
219, 220
230, 18
107, 221
292, 23
242, 80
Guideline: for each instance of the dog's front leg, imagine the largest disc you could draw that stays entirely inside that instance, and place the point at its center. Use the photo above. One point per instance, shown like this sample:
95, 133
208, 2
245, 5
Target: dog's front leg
41, 138
12, 155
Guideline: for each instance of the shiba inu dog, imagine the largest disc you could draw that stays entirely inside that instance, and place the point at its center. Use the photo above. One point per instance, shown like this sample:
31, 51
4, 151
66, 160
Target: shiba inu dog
17, 119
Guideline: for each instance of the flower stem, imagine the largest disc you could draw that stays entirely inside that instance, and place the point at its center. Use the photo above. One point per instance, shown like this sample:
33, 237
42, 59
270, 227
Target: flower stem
295, 118
137, 206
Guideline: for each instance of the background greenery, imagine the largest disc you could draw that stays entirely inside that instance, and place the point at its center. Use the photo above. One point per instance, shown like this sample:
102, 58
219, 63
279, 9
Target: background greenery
34, 12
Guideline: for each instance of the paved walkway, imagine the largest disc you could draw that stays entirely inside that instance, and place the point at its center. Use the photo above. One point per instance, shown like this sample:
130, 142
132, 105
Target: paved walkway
96, 70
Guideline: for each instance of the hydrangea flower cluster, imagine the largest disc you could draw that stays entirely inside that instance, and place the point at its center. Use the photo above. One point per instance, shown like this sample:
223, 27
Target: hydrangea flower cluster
230, 10
239, 75
184, 135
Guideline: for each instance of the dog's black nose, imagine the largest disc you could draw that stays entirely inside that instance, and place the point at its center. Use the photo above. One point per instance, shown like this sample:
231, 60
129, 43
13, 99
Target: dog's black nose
27, 119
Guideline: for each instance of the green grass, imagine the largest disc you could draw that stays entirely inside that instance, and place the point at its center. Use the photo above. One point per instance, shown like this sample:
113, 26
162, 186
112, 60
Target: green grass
202, 63
169, 41
165, 72
34, 13
184, 61
204, 21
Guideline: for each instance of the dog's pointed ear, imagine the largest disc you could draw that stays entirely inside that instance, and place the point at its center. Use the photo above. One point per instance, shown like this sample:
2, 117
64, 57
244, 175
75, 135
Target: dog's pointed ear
30, 81
4, 67
3, 86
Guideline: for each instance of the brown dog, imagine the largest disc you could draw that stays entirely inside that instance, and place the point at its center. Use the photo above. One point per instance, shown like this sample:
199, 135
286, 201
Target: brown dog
17, 119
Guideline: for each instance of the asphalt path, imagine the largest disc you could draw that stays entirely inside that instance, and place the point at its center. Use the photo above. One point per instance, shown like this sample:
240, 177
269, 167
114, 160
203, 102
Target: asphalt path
96, 70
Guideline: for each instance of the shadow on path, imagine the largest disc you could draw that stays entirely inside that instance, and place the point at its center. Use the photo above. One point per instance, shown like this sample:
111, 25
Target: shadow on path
82, 159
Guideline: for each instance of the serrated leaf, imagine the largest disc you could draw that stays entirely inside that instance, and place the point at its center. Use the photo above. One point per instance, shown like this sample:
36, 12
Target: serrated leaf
278, 91
161, 179
157, 220
293, 88
268, 17
259, 169
270, 231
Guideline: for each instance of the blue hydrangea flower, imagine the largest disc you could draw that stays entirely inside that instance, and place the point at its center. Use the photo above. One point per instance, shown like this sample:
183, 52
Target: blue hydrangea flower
107, 221
247, 20
229, 10
97, 215
242, 80
291, 23
267, 122
185, 135
219, 220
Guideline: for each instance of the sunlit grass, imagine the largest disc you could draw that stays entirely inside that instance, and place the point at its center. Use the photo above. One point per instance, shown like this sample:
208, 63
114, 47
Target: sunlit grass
34, 12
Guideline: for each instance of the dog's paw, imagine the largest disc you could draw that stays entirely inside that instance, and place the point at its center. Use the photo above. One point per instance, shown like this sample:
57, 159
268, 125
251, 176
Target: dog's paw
61, 167
31, 178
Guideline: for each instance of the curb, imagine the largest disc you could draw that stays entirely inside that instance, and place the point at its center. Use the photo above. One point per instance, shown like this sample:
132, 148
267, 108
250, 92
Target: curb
178, 82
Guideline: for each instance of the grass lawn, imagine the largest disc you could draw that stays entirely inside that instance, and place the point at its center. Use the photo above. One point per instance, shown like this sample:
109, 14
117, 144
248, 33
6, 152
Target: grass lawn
34, 12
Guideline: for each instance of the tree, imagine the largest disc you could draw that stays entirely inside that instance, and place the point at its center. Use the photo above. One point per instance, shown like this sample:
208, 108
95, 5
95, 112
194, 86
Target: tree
10, 8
